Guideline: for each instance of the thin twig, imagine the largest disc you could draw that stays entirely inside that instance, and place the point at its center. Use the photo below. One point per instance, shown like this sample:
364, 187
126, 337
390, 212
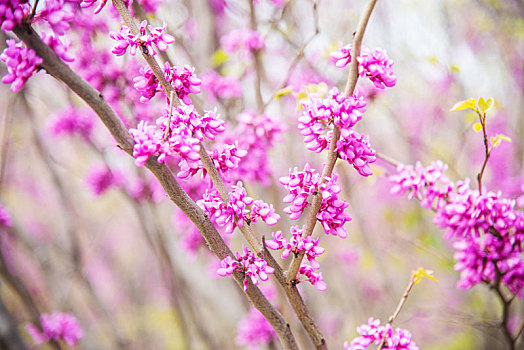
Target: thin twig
399, 307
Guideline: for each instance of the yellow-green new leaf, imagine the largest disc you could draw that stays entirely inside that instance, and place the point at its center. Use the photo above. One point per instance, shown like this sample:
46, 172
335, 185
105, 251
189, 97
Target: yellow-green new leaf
485, 105
497, 140
477, 127
219, 57
283, 92
422, 272
470, 103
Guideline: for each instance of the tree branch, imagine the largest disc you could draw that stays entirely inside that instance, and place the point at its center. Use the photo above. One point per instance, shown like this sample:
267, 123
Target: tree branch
54, 66
332, 154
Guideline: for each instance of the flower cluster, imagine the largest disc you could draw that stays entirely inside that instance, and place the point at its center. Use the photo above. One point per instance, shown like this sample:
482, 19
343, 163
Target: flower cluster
186, 130
224, 214
12, 12
429, 185
355, 148
247, 39
183, 80
331, 213
226, 157
254, 330
374, 64
57, 326
21, 64
58, 47
5, 217
125, 39
373, 333
318, 114
299, 245
256, 134
71, 121
56, 16
101, 179
218, 86
302, 184
489, 227
247, 263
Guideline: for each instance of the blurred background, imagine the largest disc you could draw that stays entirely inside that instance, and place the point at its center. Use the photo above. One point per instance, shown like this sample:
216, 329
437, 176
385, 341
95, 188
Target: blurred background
94, 235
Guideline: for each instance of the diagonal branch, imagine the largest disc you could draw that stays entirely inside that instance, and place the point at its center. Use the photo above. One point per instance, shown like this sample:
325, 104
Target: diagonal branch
54, 66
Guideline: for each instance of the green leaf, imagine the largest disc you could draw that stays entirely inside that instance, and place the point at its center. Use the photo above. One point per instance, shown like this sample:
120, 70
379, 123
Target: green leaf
470, 103
477, 127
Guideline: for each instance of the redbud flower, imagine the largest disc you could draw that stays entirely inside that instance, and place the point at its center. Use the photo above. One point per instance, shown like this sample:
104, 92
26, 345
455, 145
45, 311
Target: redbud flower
314, 278
72, 121
57, 326
101, 179
21, 64
253, 267
58, 47
54, 13
355, 148
125, 39
254, 331
318, 114
374, 64
217, 86
264, 211
12, 12
373, 333
5, 217
331, 213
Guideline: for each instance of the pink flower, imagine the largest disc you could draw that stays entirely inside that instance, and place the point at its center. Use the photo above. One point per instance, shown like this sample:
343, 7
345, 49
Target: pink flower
125, 39
58, 18
264, 211
373, 333
12, 12
301, 185
58, 47
254, 331
5, 217
100, 179
355, 148
72, 121
21, 64
217, 86
374, 64
319, 114
57, 326
253, 267
242, 39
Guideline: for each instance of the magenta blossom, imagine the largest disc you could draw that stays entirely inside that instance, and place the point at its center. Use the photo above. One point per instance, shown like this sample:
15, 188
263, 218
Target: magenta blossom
373, 334
57, 326
21, 64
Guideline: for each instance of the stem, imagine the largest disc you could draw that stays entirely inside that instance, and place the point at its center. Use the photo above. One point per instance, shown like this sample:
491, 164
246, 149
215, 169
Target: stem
487, 153
332, 154
399, 307
258, 63
506, 303
54, 66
